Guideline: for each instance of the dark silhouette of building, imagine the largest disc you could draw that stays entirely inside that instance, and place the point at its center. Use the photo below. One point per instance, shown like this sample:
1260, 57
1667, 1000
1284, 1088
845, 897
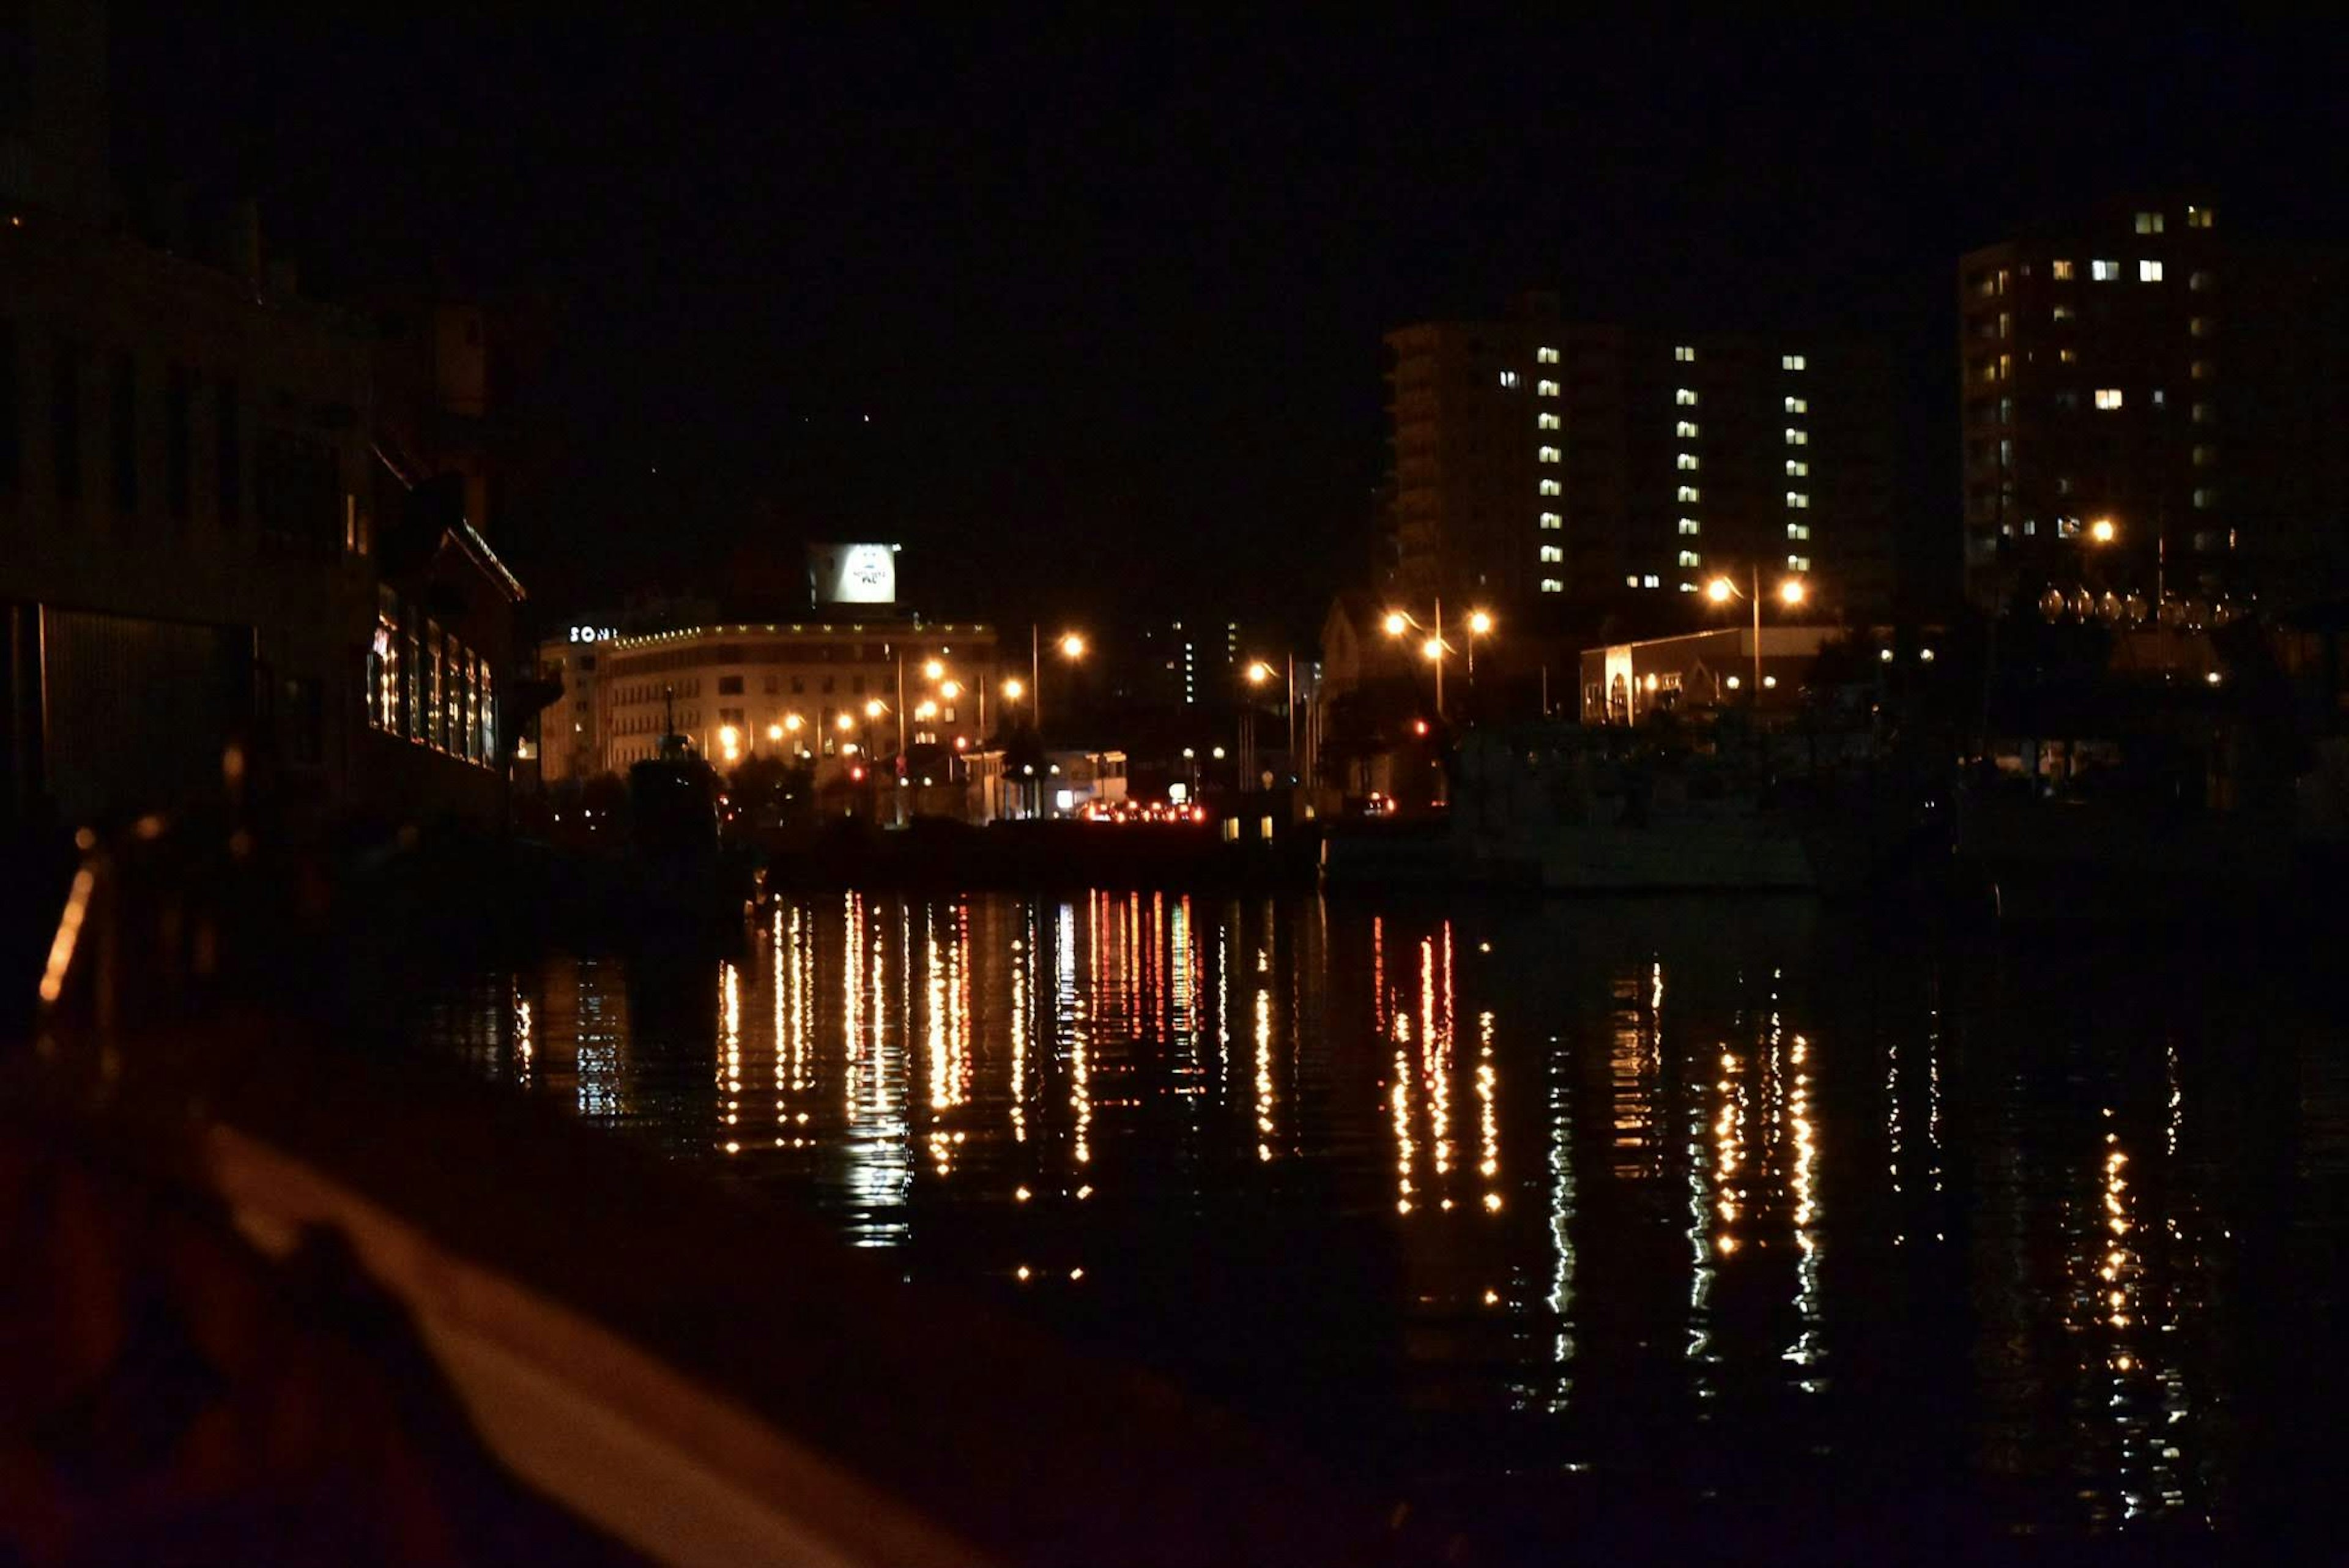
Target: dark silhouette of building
1539, 463
2152, 408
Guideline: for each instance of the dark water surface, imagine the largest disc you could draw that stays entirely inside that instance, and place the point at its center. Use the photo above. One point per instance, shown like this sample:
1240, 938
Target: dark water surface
1725, 1223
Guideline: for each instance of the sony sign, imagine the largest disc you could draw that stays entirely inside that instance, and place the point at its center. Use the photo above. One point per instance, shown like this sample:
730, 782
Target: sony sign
854, 574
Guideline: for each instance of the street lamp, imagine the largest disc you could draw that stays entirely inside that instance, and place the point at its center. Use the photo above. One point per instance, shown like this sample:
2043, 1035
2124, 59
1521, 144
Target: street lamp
1013, 690
775, 733
1072, 645
932, 670
845, 723
1397, 623
1480, 624
1791, 592
729, 740
2103, 532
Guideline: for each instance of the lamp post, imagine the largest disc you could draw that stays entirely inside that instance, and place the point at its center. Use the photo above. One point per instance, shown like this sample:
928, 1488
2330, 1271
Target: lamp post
1256, 673
1072, 645
1434, 648
1791, 592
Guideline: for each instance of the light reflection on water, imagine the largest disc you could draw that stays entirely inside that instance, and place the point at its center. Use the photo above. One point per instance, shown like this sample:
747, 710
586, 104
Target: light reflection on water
1697, 1200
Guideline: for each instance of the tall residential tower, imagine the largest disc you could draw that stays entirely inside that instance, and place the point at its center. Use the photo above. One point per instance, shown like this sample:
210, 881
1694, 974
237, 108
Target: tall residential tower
2149, 405
1539, 463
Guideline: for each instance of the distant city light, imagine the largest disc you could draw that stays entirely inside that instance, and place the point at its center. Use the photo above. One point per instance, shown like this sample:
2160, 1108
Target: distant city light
874, 709
1791, 590
1718, 590
1073, 646
932, 670
1432, 649
1013, 690
1396, 623
1479, 622
774, 732
2101, 531
1259, 672
846, 723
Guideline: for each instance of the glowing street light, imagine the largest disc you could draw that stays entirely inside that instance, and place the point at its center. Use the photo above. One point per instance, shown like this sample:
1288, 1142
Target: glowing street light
845, 723
950, 689
1073, 646
1013, 690
1259, 672
932, 670
1480, 623
729, 740
874, 709
1397, 623
775, 733
792, 724
2103, 532
1792, 591
1432, 649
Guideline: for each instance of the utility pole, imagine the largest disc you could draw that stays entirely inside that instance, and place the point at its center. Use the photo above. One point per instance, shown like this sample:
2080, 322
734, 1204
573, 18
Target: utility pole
1756, 596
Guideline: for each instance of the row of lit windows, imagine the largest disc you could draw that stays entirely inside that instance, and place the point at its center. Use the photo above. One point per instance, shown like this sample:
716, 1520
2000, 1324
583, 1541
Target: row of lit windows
2147, 271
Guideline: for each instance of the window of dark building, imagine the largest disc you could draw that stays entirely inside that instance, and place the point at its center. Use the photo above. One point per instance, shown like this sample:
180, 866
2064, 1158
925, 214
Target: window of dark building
64, 418
799, 685
12, 438
297, 495
228, 458
856, 684
729, 685
828, 684
178, 418
125, 432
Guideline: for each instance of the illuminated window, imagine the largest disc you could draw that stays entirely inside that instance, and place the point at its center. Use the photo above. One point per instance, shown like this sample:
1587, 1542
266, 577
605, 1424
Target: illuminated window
2160, 399
1685, 396
1552, 554
2063, 312
2198, 327
2205, 498
2200, 218
1798, 499
2105, 271
2148, 222
1688, 461
1691, 558
1552, 520
2067, 355
1798, 405
1546, 455
1550, 487
1685, 429
1790, 362
2063, 484
1798, 563
2108, 397
1688, 492
1690, 526
2204, 456
2201, 369
1545, 421
1651, 581
1552, 586
1684, 354
1545, 355
1798, 438
1508, 378
1798, 529
2061, 269
2204, 413
1631, 582
1546, 389
1797, 469
2148, 272
2198, 279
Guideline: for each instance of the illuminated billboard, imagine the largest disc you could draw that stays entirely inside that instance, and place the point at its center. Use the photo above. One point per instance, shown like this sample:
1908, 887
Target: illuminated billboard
853, 573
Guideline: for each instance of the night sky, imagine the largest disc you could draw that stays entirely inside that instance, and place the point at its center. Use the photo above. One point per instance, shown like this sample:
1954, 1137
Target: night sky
1089, 317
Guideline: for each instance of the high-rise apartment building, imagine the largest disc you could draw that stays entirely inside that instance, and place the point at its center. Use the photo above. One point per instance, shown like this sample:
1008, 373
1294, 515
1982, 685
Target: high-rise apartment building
1539, 462
2151, 407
